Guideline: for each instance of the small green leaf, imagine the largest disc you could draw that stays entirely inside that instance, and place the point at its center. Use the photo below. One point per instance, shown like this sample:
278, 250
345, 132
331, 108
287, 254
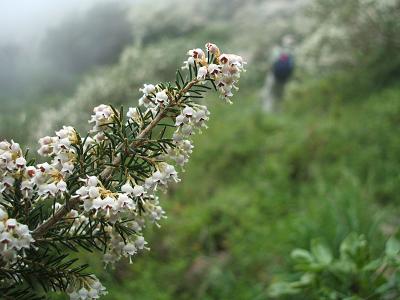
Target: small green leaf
353, 246
343, 266
302, 256
305, 280
392, 247
373, 265
321, 252
279, 289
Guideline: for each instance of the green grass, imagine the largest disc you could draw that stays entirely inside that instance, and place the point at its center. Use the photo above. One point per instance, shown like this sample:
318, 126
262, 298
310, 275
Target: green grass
260, 185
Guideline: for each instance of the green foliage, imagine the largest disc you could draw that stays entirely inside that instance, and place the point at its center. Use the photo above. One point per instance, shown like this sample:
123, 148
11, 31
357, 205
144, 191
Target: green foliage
355, 274
292, 177
260, 185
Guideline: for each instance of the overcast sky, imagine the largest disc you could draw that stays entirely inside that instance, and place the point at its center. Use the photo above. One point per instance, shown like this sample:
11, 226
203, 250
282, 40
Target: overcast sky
26, 20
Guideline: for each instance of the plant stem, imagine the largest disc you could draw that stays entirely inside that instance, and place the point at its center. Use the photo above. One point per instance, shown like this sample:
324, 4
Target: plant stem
59, 214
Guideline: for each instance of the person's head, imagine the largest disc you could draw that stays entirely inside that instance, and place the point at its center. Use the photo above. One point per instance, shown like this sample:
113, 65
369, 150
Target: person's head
287, 40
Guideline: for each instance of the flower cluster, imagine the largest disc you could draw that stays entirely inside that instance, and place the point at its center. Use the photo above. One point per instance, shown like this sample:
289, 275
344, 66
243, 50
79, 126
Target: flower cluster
231, 67
89, 288
195, 56
159, 179
103, 202
148, 91
190, 120
119, 248
102, 190
154, 97
102, 115
134, 115
14, 236
224, 70
132, 200
50, 178
13, 166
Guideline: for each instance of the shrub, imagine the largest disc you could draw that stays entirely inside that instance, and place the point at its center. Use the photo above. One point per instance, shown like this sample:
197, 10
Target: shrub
353, 275
98, 191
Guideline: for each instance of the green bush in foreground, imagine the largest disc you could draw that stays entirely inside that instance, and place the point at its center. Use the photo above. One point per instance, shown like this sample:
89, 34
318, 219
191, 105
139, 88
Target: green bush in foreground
353, 275
98, 192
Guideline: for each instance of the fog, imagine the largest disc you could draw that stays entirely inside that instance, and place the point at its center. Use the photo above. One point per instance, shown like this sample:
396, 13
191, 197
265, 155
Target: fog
40, 38
25, 21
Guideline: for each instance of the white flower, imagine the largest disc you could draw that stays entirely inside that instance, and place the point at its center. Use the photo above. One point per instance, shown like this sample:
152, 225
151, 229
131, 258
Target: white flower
158, 178
212, 48
6, 182
4, 145
149, 183
187, 130
125, 202
213, 69
62, 186
196, 53
11, 223
15, 147
188, 112
6, 239
30, 171
133, 113
138, 191
189, 62
45, 149
129, 250
202, 73
127, 188
140, 243
108, 203
180, 119
102, 115
20, 162
162, 98
97, 203
89, 288
145, 101
201, 116
170, 173
92, 181
148, 89
156, 214
67, 167
14, 237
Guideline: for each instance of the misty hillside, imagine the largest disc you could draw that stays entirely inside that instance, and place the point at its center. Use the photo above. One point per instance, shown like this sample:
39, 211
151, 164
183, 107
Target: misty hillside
320, 174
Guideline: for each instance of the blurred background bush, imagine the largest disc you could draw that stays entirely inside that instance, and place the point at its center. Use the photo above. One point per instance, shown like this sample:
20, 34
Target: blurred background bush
260, 184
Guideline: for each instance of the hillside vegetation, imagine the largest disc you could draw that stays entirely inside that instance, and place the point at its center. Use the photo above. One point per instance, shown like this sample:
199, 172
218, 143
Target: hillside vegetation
260, 185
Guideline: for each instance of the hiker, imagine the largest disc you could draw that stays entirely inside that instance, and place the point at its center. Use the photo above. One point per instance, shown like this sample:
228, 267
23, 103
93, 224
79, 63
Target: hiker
281, 71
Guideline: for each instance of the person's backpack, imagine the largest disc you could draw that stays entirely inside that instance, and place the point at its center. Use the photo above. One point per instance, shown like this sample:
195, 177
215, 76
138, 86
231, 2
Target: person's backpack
283, 67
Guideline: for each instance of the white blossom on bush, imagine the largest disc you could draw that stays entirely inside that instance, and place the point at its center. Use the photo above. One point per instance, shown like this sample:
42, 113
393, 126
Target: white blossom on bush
14, 236
99, 191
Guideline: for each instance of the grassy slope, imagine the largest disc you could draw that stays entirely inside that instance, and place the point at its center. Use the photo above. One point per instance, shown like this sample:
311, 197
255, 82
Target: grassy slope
259, 185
